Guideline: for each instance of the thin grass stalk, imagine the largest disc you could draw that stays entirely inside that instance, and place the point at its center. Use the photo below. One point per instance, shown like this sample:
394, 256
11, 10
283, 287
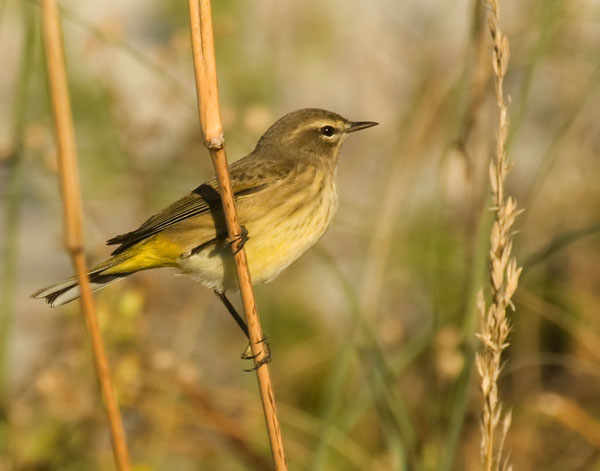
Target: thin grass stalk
210, 119
334, 388
585, 336
380, 372
570, 414
180, 91
14, 195
72, 210
549, 17
569, 115
229, 429
504, 272
476, 229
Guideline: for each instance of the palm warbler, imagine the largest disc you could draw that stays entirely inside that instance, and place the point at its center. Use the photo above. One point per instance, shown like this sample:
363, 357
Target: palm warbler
285, 195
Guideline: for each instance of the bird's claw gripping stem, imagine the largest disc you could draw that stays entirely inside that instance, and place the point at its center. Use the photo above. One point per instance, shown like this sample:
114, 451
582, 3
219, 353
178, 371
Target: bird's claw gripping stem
238, 241
247, 355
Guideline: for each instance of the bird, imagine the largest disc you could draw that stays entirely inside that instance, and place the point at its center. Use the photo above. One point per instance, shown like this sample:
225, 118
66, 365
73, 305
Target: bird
286, 197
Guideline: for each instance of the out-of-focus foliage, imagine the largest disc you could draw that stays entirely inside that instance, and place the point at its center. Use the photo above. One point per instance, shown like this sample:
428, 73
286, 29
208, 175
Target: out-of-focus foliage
371, 331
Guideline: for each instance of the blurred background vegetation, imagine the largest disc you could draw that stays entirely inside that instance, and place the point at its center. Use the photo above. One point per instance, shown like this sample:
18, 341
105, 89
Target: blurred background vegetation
372, 332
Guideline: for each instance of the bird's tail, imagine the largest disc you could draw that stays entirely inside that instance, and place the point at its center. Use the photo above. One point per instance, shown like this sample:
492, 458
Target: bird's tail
147, 254
68, 290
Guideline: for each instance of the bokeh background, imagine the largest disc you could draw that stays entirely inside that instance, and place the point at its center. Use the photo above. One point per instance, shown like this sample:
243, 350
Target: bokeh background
372, 331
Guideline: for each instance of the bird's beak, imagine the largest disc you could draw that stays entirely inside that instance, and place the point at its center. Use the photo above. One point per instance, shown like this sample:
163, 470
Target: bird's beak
358, 125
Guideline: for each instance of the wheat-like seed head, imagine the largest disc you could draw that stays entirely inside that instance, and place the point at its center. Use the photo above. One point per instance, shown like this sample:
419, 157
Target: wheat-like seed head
504, 271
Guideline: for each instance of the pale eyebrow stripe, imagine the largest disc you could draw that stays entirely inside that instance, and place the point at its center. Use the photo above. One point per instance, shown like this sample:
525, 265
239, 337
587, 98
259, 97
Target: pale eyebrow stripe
315, 125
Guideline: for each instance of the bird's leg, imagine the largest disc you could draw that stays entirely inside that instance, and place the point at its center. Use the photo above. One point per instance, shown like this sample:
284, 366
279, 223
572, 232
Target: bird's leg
236, 317
238, 241
247, 353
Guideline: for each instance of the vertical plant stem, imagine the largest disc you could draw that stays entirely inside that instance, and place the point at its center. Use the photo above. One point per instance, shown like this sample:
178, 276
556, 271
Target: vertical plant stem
72, 208
504, 273
210, 119
13, 203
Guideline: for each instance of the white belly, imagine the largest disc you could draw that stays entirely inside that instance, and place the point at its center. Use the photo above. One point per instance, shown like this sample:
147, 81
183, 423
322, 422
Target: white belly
275, 241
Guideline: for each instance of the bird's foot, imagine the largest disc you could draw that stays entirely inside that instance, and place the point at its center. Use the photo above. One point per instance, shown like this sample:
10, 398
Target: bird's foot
248, 355
238, 241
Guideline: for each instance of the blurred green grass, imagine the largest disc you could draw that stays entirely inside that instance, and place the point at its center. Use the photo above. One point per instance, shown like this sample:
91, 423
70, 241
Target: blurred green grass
371, 331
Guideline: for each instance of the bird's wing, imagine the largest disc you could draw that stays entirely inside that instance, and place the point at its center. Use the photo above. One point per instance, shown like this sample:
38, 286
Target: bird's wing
247, 179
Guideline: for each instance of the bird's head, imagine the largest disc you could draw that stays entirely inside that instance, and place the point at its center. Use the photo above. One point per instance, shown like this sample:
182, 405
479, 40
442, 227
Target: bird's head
312, 132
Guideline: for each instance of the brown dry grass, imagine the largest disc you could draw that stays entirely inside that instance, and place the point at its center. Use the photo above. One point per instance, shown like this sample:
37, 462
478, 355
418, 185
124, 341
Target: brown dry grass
504, 272
72, 208
388, 384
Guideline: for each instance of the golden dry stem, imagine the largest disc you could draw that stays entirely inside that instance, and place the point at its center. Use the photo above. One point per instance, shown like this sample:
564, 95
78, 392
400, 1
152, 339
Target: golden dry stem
72, 210
208, 107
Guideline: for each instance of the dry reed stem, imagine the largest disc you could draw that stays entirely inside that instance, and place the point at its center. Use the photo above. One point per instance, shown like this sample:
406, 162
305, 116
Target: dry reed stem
229, 429
71, 198
208, 107
504, 273
571, 415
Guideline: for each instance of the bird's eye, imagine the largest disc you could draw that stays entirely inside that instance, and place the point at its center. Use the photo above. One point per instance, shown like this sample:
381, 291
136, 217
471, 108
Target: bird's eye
328, 131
